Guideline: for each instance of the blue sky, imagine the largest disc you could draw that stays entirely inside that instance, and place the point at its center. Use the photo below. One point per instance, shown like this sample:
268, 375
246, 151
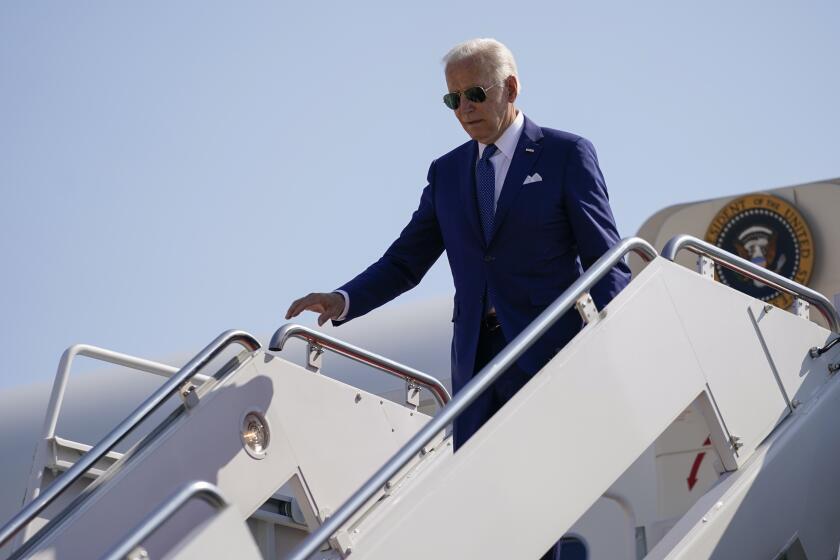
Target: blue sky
170, 170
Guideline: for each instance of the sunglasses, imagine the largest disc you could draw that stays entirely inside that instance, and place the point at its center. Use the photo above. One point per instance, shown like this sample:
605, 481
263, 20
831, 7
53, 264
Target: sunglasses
476, 94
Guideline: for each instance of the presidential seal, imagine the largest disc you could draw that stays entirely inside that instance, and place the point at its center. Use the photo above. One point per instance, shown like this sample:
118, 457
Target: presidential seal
771, 233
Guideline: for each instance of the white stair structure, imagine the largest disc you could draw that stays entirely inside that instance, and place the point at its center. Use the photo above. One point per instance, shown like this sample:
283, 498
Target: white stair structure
322, 440
265, 434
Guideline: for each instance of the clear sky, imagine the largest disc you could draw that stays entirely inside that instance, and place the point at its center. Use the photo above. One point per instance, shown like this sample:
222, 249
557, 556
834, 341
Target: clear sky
170, 170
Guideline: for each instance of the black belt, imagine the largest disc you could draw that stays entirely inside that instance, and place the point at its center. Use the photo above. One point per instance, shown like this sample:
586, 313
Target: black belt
490, 322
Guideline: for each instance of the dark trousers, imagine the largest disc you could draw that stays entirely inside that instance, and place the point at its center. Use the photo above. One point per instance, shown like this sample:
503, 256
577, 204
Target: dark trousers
491, 341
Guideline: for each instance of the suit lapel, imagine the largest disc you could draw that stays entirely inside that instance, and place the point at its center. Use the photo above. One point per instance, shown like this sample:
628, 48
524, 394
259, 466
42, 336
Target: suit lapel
526, 155
470, 204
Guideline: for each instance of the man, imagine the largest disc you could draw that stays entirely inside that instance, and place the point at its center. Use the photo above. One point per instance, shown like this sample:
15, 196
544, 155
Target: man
519, 210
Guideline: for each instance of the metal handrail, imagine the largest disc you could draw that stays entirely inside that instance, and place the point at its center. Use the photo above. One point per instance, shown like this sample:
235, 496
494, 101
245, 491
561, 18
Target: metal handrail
360, 355
117, 358
473, 389
146, 408
196, 489
754, 272
60, 386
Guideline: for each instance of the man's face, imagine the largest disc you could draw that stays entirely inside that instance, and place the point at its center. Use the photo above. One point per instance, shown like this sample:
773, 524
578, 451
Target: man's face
485, 121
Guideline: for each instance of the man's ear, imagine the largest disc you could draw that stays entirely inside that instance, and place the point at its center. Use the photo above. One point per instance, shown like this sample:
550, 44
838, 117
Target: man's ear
512, 85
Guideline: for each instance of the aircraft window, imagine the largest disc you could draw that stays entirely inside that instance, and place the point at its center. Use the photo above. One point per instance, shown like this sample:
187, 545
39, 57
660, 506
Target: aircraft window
572, 548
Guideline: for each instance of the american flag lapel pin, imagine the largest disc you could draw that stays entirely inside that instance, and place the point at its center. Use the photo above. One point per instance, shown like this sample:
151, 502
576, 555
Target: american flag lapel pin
529, 150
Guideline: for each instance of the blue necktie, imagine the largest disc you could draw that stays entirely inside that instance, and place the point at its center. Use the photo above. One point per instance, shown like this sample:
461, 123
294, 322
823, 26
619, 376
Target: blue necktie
485, 183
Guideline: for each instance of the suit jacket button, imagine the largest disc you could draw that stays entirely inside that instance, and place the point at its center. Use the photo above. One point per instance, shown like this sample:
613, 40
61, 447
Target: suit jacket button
489, 258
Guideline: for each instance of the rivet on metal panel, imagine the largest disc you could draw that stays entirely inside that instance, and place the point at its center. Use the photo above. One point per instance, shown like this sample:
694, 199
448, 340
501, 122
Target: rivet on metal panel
767, 308
795, 403
706, 267
833, 368
814, 352
801, 308
341, 541
314, 357
736, 442
188, 395
586, 308
358, 397
412, 394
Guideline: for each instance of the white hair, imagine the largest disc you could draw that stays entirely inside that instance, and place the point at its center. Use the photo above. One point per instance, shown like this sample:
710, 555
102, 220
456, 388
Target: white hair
492, 55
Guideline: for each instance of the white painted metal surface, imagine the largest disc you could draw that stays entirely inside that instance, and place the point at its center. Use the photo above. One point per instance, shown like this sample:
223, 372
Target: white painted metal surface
224, 536
325, 438
789, 488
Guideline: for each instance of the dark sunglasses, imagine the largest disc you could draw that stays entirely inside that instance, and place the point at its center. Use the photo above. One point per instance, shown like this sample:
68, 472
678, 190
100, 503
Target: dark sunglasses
476, 94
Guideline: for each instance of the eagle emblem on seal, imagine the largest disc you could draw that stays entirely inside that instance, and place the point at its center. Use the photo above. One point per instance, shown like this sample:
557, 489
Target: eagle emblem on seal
769, 232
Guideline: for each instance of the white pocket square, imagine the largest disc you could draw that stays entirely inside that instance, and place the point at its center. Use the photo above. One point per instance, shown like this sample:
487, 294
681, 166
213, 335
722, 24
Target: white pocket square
532, 179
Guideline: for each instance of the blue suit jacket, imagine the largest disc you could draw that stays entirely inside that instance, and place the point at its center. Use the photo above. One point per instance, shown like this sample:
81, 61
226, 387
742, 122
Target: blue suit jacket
545, 233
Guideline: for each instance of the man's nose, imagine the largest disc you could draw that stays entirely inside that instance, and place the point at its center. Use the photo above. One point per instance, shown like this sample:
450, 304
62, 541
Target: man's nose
465, 106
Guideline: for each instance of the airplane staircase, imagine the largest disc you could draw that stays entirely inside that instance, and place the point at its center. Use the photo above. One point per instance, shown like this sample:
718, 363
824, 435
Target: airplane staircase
672, 339
261, 439
762, 379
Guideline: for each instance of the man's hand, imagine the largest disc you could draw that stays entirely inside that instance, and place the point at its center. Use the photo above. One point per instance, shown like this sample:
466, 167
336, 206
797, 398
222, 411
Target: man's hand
330, 306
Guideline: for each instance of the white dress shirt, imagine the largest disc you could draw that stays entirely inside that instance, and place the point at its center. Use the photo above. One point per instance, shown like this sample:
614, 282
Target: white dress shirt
506, 145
